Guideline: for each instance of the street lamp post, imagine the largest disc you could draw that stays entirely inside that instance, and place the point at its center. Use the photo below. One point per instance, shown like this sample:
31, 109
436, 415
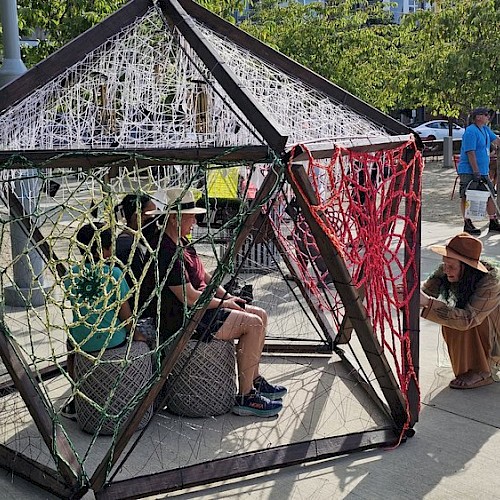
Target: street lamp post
28, 270
12, 65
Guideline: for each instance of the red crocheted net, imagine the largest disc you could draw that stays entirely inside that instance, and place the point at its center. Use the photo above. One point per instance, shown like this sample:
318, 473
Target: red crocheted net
368, 207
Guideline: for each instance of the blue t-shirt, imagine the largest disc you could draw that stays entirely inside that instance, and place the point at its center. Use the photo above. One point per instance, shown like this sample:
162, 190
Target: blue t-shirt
477, 139
96, 292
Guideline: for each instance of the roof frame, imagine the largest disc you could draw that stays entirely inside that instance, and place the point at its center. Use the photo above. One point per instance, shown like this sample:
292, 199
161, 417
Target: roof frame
181, 13
290, 67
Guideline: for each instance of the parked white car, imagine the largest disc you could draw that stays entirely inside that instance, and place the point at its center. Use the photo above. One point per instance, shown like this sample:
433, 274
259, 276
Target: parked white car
436, 130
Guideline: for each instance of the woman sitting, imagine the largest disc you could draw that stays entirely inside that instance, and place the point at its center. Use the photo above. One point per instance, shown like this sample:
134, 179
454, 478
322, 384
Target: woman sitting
130, 247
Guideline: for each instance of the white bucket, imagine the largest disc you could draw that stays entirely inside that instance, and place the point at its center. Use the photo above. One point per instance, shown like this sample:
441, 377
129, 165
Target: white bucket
475, 204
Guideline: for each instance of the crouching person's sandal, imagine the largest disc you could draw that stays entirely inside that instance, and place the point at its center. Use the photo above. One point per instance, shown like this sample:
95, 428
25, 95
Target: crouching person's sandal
471, 380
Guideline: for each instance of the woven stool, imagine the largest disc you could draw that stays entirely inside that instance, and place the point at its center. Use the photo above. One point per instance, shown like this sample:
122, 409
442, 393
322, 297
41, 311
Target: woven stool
98, 381
203, 380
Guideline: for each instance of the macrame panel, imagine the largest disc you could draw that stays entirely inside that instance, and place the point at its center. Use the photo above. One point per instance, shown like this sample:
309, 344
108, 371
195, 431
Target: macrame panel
302, 113
368, 206
143, 88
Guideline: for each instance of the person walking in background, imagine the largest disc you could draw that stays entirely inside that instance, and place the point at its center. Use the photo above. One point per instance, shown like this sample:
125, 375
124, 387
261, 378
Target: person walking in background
463, 296
474, 164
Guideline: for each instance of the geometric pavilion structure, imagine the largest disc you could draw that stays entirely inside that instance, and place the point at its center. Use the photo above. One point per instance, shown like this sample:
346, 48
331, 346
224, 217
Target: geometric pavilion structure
165, 93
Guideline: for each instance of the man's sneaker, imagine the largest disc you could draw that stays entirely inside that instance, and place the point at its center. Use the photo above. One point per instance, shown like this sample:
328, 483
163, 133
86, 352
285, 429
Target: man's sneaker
470, 228
494, 226
256, 404
269, 391
69, 411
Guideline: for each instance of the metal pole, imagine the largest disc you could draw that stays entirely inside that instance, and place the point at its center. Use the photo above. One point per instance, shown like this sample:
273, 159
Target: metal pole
28, 279
12, 65
448, 152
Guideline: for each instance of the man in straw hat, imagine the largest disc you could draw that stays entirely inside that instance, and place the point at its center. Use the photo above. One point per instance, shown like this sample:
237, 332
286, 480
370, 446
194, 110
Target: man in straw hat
474, 164
463, 296
182, 278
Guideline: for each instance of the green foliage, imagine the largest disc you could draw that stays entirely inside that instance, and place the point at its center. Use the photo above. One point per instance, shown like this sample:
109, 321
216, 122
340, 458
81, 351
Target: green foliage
452, 56
61, 21
353, 44
446, 59
226, 8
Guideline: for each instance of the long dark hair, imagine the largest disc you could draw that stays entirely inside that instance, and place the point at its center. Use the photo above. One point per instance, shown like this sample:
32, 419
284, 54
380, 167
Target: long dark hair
88, 236
460, 292
132, 204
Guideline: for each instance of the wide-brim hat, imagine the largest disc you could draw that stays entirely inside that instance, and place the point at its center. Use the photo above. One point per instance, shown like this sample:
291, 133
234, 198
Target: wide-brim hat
465, 248
175, 200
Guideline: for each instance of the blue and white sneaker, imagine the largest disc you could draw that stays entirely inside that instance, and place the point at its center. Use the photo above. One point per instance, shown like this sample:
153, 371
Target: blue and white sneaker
254, 404
269, 391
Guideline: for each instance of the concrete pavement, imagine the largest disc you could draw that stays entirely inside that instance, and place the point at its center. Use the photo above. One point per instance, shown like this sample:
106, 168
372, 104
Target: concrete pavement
455, 452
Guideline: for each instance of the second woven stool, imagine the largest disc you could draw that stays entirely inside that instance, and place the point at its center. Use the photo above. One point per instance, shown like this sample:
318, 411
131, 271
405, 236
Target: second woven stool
203, 380
111, 374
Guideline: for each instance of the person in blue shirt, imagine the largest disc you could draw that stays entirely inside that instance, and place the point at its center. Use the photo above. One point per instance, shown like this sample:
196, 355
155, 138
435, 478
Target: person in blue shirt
474, 164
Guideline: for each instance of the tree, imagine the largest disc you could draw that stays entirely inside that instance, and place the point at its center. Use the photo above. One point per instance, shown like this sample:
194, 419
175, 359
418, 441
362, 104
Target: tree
452, 54
63, 20
228, 9
446, 59
352, 43
60, 21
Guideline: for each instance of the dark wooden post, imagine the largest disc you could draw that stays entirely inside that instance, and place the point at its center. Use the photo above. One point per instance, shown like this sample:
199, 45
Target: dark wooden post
354, 308
98, 479
412, 325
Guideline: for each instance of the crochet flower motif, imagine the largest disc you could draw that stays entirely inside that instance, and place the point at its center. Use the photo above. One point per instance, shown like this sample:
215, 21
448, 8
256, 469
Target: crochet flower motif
89, 284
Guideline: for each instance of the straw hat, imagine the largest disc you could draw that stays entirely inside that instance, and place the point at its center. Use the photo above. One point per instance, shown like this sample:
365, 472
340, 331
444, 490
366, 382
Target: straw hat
175, 200
464, 248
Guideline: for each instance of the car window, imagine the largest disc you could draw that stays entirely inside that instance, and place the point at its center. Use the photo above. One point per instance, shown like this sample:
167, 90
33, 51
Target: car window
433, 124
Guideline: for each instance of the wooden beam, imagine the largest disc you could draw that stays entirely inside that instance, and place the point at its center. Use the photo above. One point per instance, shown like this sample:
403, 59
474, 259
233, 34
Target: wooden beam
354, 308
50, 429
34, 472
87, 159
412, 250
98, 479
292, 68
248, 463
236, 89
297, 348
326, 148
71, 53
346, 327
